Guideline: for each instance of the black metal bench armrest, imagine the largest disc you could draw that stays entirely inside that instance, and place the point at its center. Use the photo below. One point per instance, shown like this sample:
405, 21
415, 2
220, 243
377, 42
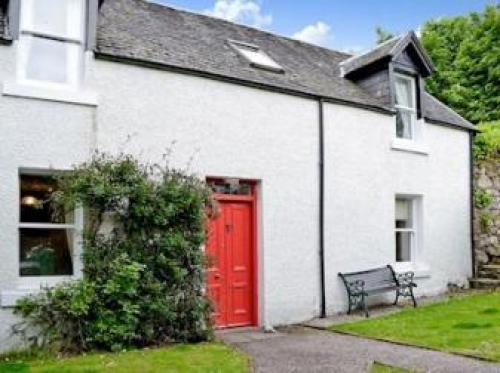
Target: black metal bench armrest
405, 280
356, 287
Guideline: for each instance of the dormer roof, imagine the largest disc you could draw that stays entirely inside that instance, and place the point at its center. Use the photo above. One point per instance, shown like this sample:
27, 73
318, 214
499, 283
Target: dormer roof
148, 34
389, 51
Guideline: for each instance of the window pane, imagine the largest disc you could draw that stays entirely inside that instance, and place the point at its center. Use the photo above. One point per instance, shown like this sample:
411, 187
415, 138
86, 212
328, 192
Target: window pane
45, 252
238, 187
259, 58
50, 16
256, 56
58, 17
404, 94
46, 60
403, 124
403, 246
403, 213
35, 204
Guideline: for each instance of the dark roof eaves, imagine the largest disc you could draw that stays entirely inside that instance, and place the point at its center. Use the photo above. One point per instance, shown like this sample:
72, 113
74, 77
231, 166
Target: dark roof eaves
249, 83
451, 125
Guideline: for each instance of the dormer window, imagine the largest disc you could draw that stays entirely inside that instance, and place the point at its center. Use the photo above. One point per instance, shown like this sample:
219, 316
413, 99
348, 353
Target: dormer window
51, 43
406, 106
256, 56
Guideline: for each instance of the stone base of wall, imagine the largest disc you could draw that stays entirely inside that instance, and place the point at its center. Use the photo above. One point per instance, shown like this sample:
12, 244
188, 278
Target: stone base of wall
487, 222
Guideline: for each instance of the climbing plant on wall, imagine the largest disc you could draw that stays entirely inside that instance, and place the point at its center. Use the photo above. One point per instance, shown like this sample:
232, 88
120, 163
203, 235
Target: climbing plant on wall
143, 263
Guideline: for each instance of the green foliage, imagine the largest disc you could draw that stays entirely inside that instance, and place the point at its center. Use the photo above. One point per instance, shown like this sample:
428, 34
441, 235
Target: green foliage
58, 314
466, 53
485, 221
117, 312
383, 35
487, 142
143, 266
483, 199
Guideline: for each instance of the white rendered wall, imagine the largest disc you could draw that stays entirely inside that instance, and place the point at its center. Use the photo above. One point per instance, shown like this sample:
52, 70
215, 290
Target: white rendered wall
221, 129
34, 134
363, 175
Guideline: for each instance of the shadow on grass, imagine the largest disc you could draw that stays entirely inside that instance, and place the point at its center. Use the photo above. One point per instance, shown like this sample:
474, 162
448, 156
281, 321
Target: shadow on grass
14, 368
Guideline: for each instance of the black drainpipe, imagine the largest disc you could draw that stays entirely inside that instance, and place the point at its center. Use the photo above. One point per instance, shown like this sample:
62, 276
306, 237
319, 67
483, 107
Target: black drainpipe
321, 207
472, 210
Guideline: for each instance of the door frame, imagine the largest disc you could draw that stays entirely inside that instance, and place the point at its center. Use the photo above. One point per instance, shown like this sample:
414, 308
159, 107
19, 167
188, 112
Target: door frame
252, 199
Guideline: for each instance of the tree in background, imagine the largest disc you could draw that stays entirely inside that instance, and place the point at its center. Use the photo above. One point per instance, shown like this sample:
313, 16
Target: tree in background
466, 53
383, 35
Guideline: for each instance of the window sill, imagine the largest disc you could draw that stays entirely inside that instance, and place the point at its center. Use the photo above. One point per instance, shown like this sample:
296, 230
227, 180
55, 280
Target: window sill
49, 94
8, 298
421, 270
409, 146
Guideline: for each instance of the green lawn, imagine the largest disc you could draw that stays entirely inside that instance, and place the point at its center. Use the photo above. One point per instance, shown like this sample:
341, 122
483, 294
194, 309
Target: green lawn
204, 357
465, 324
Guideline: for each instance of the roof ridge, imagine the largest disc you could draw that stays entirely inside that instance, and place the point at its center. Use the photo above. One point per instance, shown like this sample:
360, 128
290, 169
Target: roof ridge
222, 20
160, 36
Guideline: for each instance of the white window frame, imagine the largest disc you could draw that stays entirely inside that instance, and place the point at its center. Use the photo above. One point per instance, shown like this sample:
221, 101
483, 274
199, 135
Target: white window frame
411, 110
414, 230
35, 282
74, 64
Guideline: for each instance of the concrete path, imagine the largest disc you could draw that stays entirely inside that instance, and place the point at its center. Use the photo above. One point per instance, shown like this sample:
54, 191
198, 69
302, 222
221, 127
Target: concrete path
300, 349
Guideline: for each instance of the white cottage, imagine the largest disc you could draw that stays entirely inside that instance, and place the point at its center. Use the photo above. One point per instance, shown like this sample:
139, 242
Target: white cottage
323, 162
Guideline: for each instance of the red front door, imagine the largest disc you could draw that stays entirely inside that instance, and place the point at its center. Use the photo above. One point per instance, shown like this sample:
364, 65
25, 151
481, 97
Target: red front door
230, 246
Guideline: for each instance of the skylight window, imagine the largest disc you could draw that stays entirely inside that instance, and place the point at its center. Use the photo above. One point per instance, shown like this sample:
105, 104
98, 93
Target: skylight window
256, 56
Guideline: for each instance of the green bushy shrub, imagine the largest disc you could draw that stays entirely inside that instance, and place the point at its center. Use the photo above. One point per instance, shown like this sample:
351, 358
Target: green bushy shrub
487, 142
143, 275
58, 315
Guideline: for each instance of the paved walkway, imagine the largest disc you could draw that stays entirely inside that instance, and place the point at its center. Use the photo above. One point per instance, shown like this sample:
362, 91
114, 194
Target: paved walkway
300, 349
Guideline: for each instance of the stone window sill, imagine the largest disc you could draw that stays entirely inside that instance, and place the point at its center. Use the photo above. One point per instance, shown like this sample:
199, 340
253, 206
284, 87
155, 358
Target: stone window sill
83, 97
421, 270
409, 146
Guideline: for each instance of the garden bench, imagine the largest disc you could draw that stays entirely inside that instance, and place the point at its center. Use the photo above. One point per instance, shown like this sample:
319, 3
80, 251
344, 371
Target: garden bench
360, 285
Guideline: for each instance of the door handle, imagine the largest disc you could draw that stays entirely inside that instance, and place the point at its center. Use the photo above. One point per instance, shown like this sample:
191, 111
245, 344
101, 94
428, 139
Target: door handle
217, 276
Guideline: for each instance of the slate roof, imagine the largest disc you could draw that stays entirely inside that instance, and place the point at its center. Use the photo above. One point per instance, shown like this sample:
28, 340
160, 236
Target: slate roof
146, 32
140, 30
436, 111
389, 50
378, 53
